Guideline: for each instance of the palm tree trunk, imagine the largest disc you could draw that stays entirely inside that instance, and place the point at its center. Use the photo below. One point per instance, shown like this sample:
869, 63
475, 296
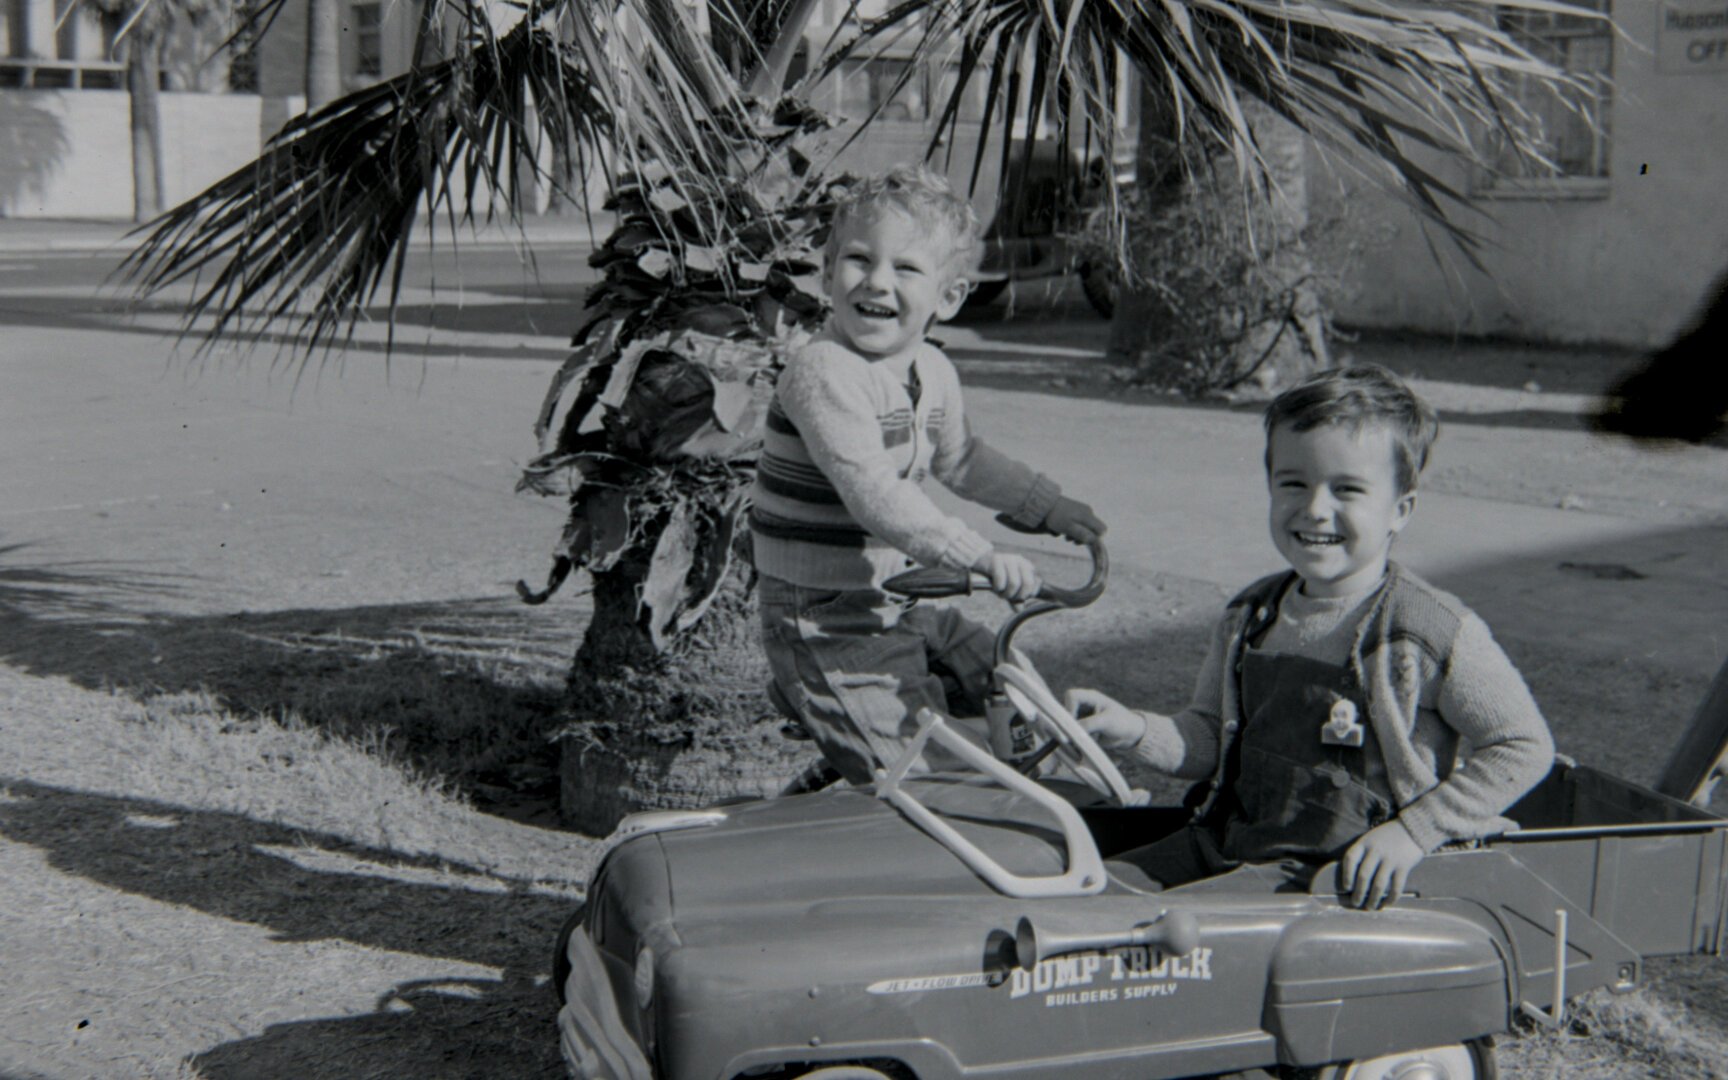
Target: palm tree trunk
770, 80
323, 53
676, 729
144, 84
1140, 317
686, 723
1291, 341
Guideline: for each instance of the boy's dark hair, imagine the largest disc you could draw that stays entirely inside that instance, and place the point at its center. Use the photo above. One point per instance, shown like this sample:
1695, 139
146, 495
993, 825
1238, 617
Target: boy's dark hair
928, 199
1355, 396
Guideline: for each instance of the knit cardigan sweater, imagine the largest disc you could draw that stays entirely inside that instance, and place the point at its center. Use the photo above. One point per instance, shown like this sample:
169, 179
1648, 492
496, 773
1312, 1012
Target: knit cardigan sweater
1435, 682
837, 501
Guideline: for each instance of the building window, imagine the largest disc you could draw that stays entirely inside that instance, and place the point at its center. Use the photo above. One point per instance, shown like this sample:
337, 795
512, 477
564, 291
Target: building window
368, 39
65, 31
20, 74
56, 45
96, 78
1571, 130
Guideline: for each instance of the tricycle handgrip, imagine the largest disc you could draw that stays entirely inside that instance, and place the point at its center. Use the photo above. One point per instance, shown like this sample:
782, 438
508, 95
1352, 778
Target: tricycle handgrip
933, 582
1008, 522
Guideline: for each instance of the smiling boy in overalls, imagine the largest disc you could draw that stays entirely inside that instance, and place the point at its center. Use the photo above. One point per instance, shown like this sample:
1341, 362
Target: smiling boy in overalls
1346, 708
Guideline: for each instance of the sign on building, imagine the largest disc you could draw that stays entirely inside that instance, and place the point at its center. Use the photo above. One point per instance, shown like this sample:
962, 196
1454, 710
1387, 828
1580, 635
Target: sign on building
1692, 36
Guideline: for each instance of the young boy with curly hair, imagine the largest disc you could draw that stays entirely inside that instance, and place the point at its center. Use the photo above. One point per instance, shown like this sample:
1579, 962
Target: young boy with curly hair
861, 415
1333, 710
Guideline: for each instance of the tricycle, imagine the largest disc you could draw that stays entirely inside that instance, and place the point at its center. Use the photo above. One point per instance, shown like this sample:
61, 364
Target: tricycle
974, 924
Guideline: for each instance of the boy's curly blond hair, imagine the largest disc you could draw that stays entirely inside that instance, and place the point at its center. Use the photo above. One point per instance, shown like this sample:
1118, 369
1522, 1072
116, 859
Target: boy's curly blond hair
927, 198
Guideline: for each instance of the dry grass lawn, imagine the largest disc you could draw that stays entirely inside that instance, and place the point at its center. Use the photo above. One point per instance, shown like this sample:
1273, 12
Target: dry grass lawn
191, 886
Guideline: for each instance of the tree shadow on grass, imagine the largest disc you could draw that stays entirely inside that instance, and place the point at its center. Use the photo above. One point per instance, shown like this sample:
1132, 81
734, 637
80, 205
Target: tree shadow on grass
465, 690
240, 869
460, 1029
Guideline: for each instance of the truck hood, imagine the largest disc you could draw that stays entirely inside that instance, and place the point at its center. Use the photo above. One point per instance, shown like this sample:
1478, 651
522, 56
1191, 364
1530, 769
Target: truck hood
796, 852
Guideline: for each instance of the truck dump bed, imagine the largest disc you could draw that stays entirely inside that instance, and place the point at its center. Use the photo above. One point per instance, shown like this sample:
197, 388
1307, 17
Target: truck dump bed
1650, 869
1601, 875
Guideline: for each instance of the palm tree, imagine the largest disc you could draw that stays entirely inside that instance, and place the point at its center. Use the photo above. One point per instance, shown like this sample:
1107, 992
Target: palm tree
141, 28
650, 428
323, 52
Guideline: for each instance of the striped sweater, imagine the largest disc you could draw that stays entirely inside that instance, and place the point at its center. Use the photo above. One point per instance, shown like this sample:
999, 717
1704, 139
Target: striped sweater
837, 502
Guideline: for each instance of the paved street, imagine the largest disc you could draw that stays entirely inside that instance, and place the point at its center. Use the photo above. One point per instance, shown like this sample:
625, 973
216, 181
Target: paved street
265, 471
111, 429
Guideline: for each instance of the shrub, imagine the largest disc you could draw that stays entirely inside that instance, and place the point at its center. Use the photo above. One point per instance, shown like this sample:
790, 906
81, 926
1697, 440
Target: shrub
1229, 290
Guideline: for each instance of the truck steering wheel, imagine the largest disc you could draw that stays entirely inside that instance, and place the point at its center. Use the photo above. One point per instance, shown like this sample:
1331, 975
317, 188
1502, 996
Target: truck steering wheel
1026, 689
1073, 745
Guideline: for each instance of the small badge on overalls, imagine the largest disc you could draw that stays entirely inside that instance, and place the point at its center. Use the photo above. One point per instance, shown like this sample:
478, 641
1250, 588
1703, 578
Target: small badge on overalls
1341, 727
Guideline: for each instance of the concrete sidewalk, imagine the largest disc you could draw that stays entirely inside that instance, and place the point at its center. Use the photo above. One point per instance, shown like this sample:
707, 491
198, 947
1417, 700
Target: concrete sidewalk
21, 235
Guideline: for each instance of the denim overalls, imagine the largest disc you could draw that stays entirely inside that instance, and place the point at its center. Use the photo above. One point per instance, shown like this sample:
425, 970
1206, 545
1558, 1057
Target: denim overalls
1299, 790
1303, 778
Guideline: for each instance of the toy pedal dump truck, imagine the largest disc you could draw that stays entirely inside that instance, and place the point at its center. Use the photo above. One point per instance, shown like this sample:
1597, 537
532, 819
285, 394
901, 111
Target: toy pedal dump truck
971, 925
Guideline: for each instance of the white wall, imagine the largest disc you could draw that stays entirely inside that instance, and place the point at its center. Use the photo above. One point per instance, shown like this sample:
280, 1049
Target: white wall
68, 154
1627, 267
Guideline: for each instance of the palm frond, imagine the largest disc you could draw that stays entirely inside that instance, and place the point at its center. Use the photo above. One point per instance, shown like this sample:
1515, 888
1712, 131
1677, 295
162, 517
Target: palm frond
1365, 78
300, 241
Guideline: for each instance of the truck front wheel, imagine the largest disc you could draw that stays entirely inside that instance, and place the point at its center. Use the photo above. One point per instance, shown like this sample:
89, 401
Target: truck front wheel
1460, 1061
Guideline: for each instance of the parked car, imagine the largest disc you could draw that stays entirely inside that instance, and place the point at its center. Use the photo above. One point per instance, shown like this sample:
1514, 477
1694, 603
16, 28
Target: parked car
1045, 202
973, 924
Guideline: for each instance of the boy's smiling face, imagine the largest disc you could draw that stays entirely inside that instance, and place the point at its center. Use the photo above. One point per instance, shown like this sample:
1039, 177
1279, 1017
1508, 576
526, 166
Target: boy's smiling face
890, 277
1335, 504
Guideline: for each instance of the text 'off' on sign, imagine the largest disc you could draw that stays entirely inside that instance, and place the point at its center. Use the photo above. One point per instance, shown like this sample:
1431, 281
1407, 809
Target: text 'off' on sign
1692, 36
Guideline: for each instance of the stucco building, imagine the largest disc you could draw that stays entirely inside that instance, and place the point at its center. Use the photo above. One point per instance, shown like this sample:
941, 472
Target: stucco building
65, 143
1623, 244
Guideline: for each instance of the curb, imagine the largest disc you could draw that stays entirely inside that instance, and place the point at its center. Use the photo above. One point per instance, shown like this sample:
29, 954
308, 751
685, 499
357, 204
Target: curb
15, 242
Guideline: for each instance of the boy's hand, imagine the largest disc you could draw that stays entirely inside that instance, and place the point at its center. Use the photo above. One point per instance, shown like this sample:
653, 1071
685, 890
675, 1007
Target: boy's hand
1375, 868
1012, 577
1075, 520
1113, 724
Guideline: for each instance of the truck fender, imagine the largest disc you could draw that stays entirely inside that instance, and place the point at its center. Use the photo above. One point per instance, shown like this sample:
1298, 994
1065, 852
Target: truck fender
1522, 907
1345, 983
591, 1031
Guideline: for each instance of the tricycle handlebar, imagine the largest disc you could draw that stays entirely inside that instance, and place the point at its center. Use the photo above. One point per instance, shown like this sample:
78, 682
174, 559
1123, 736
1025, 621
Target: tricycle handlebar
931, 582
